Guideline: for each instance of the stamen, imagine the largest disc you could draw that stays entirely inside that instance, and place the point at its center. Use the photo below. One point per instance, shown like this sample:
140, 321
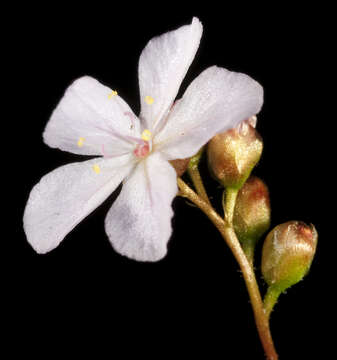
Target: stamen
96, 168
149, 100
146, 135
80, 142
113, 93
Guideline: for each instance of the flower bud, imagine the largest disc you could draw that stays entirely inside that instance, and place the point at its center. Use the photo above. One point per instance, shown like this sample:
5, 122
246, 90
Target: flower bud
180, 165
251, 214
233, 154
287, 254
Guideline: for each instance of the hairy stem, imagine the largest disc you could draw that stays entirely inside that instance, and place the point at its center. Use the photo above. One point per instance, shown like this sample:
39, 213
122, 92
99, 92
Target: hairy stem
228, 233
270, 299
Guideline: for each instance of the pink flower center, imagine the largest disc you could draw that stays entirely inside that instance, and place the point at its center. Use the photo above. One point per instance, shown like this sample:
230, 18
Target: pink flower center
142, 150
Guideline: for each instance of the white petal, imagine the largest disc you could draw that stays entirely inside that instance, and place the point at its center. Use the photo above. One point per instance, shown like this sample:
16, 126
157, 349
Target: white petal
162, 67
139, 222
68, 194
96, 116
215, 101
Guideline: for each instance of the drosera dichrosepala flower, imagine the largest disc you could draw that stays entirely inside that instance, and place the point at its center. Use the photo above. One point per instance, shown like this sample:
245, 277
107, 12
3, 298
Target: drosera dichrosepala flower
92, 119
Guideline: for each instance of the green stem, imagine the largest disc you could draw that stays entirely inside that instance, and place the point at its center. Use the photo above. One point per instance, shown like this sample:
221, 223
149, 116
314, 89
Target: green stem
228, 234
228, 203
198, 184
193, 172
270, 299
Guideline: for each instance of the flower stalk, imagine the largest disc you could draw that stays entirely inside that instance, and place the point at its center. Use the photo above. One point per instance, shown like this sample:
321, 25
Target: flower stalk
228, 204
227, 232
270, 299
193, 172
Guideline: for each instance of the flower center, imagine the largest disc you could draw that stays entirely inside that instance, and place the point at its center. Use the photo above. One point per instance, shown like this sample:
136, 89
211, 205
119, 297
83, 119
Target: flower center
143, 148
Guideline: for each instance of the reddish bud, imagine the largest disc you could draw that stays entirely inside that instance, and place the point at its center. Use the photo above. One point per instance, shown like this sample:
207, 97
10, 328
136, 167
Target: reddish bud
287, 254
252, 213
233, 154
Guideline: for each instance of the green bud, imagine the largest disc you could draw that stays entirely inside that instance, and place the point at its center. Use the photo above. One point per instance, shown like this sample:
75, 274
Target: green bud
251, 214
287, 254
233, 154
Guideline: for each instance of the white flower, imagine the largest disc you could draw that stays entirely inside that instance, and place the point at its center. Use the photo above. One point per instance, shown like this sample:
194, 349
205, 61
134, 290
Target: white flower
92, 119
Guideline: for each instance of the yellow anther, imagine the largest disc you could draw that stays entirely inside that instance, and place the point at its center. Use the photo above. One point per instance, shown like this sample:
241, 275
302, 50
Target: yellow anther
113, 93
146, 135
96, 168
149, 100
80, 142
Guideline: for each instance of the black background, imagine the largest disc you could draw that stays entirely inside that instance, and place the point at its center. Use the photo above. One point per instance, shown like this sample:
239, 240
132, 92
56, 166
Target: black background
85, 297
